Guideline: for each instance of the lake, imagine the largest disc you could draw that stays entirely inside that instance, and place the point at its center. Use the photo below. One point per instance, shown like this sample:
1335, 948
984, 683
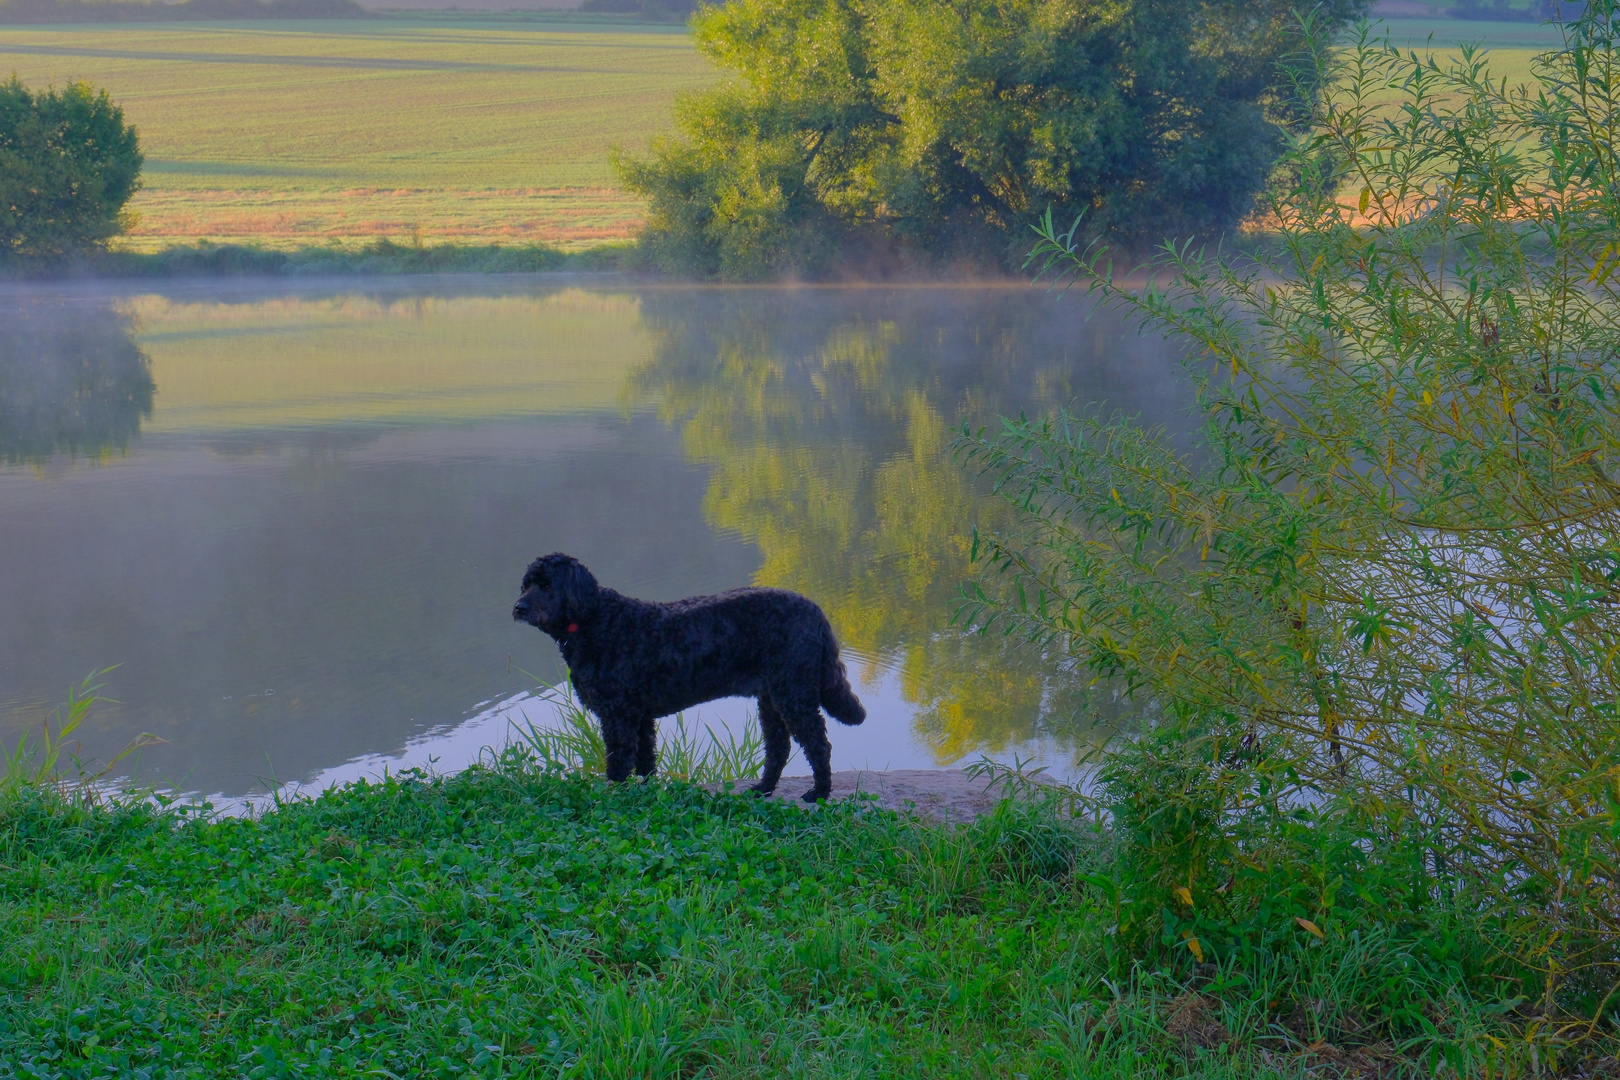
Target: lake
295, 515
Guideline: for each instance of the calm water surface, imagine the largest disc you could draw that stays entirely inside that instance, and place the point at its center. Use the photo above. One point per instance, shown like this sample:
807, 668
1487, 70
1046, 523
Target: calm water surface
296, 518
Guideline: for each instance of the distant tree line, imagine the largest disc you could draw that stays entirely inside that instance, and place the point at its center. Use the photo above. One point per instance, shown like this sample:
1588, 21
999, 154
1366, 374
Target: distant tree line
24, 12
68, 165
874, 132
655, 10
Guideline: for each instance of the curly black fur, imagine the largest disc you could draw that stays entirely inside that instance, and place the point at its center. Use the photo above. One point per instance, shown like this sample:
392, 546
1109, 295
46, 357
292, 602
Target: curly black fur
633, 661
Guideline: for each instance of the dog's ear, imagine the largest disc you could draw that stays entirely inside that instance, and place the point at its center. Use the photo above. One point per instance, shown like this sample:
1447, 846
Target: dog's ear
574, 585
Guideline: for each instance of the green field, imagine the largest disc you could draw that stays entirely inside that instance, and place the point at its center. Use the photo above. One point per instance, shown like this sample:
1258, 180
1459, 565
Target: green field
472, 130
1511, 45
437, 129
1527, 37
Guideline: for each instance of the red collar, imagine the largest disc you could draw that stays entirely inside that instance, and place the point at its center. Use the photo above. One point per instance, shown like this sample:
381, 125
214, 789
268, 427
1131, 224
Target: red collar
573, 628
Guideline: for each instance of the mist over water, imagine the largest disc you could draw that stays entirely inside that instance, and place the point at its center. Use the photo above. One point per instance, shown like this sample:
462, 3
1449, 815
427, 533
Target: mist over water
296, 518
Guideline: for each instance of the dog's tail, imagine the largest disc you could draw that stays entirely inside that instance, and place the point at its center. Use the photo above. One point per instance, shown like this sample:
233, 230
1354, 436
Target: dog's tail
836, 696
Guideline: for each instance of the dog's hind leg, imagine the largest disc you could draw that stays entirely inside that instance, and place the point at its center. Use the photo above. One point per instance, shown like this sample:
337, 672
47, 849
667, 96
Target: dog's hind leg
773, 729
810, 731
647, 748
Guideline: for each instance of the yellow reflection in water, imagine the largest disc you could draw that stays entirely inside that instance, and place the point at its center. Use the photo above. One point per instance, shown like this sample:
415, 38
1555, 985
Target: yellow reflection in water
833, 455
297, 361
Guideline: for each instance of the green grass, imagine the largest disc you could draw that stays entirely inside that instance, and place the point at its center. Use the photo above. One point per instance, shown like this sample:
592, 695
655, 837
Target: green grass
465, 130
516, 921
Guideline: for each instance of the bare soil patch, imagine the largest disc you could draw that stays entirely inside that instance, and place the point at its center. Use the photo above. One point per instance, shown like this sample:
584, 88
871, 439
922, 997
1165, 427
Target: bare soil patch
948, 795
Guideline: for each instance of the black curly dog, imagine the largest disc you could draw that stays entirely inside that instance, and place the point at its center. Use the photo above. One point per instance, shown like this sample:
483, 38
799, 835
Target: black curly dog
633, 661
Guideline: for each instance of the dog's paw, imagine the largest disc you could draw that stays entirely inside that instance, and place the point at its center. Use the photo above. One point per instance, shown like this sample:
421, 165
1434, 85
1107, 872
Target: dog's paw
762, 790
814, 796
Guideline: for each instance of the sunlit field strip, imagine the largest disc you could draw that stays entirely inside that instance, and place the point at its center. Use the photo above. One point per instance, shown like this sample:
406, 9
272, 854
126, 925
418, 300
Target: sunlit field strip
402, 128
1508, 51
568, 218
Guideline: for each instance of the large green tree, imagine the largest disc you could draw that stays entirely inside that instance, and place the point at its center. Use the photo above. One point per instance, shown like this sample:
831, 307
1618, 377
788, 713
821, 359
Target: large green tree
877, 126
68, 165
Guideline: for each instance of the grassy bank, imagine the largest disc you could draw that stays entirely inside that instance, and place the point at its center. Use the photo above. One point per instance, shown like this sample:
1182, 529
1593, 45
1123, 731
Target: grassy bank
378, 256
514, 922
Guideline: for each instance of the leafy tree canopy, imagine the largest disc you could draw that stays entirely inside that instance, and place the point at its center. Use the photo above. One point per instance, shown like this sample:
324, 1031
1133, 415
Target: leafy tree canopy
936, 127
68, 164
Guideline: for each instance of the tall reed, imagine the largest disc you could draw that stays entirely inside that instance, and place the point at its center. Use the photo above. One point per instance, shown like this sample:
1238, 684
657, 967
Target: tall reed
573, 744
31, 765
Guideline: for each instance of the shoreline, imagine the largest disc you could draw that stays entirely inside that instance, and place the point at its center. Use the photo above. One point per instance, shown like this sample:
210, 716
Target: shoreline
948, 796
88, 278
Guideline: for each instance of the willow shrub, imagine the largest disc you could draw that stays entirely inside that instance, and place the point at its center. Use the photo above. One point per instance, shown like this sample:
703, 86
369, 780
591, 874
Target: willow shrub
1389, 580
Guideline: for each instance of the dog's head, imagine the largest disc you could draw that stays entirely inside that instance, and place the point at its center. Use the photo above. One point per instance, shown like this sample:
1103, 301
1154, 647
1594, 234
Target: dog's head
558, 594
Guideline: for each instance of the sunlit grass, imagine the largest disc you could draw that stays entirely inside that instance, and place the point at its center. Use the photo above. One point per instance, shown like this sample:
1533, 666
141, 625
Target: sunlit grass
404, 128
570, 218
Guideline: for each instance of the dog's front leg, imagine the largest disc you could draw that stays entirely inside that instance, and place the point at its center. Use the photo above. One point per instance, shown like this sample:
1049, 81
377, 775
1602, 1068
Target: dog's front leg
620, 737
774, 730
647, 747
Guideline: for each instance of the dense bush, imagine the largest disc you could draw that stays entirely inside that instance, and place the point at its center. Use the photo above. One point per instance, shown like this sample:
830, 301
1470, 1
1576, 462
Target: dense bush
858, 128
1385, 589
68, 164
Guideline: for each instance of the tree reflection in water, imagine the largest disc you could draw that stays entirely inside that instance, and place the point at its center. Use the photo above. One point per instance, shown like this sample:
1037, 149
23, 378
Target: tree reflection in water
72, 381
827, 417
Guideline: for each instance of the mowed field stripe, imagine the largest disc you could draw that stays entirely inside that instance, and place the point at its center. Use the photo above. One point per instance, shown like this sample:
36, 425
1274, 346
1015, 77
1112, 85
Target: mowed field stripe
342, 132
368, 62
566, 217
